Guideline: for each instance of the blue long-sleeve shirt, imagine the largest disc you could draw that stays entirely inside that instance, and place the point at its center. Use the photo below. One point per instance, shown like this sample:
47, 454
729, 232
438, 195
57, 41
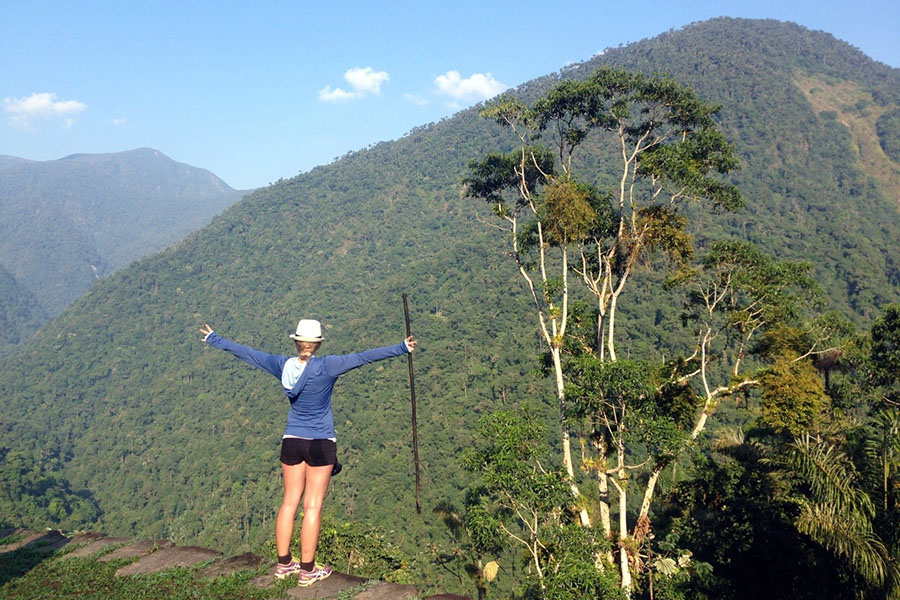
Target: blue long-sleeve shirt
310, 413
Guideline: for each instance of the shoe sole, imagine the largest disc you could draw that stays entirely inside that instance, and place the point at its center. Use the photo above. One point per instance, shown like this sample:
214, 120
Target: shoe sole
286, 575
309, 583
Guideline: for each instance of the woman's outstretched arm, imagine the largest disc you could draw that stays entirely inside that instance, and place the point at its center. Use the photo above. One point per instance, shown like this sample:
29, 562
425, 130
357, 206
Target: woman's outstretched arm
271, 363
338, 365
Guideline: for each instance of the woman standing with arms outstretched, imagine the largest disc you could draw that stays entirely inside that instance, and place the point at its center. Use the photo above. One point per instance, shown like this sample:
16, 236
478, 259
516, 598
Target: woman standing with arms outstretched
309, 446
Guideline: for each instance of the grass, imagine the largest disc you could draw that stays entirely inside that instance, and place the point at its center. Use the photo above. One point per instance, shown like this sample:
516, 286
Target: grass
12, 539
33, 573
29, 574
841, 99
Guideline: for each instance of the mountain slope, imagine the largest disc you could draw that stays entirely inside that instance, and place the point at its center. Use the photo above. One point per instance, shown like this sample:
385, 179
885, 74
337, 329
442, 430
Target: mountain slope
802, 109
20, 312
66, 223
175, 439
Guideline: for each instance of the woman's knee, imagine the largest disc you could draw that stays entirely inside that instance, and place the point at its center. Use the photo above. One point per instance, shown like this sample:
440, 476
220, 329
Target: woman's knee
290, 503
312, 505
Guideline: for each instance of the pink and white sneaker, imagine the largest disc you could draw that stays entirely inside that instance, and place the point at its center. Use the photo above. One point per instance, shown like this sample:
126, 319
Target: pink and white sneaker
292, 568
310, 577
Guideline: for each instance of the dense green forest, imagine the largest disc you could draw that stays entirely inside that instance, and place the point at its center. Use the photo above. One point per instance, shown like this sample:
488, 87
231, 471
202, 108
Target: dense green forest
147, 431
20, 312
66, 223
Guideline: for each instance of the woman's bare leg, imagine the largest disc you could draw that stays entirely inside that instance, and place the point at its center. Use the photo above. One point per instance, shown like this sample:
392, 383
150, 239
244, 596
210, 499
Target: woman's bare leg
294, 482
317, 479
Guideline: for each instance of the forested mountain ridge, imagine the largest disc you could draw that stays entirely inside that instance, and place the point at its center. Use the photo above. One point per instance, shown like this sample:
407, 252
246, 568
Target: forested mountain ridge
820, 186
66, 223
172, 438
20, 312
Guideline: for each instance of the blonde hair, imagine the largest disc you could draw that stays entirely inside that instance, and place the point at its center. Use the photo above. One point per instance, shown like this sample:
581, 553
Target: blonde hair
306, 349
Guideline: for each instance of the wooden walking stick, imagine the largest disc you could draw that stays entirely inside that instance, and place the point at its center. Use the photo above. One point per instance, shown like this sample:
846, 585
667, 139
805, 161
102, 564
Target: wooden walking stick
412, 395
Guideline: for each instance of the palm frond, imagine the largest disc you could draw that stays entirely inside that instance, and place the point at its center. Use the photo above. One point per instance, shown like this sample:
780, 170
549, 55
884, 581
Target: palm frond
731, 442
828, 473
451, 518
850, 536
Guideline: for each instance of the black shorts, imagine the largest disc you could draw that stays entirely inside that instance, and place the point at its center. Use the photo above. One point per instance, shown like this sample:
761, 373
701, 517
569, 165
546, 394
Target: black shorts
315, 453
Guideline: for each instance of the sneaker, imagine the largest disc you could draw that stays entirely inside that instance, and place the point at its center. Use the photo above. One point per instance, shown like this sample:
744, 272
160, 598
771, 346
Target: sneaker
292, 568
310, 577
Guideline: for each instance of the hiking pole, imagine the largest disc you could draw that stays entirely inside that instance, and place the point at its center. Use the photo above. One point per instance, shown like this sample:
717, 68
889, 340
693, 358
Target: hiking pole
412, 395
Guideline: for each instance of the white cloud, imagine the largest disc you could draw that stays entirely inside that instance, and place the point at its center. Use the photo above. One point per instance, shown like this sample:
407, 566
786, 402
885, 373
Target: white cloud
416, 99
22, 111
326, 94
364, 81
479, 86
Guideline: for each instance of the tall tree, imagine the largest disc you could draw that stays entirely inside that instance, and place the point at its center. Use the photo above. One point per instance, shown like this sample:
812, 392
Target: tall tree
668, 152
541, 209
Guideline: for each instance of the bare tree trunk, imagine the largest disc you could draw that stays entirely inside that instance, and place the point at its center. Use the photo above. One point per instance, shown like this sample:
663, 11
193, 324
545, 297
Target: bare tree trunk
623, 535
611, 327
648, 492
479, 582
699, 425
603, 489
624, 567
566, 438
601, 349
605, 522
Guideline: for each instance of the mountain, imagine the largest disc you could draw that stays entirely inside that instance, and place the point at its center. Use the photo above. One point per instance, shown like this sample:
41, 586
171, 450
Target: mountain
66, 223
175, 439
20, 312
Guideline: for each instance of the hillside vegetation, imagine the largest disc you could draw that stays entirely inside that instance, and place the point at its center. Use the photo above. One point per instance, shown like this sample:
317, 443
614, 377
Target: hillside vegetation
67, 223
169, 438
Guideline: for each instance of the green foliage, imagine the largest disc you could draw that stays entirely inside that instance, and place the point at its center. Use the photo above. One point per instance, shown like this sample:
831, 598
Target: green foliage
507, 459
626, 398
477, 537
361, 550
33, 494
531, 506
571, 553
888, 129
837, 512
667, 233
174, 440
793, 397
20, 312
881, 453
68, 222
29, 574
886, 347
829, 494
683, 143
763, 291
735, 515
496, 173
568, 212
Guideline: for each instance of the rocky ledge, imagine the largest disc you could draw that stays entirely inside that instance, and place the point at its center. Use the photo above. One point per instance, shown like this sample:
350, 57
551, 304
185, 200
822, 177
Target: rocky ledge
151, 556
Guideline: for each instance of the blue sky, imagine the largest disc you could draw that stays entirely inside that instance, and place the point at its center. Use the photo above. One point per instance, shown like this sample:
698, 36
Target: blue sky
256, 93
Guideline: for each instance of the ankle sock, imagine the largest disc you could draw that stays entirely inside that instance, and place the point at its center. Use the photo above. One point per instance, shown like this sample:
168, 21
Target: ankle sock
308, 566
284, 560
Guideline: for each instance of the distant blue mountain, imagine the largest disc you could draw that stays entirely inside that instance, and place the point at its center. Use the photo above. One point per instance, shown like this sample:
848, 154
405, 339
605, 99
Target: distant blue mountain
66, 223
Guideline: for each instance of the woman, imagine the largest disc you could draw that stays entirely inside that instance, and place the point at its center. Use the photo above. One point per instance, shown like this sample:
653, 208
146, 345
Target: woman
309, 446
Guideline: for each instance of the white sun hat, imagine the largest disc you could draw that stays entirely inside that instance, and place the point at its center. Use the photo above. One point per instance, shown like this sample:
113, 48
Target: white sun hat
308, 330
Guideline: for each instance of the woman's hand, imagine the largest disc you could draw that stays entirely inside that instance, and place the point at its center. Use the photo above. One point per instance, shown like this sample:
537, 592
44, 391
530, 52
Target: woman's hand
206, 330
410, 343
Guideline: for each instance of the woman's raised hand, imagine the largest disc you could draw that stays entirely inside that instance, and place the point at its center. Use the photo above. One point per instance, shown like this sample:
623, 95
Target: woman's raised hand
206, 330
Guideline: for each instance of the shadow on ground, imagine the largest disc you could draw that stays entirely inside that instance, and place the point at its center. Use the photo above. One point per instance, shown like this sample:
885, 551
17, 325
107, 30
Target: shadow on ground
21, 551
